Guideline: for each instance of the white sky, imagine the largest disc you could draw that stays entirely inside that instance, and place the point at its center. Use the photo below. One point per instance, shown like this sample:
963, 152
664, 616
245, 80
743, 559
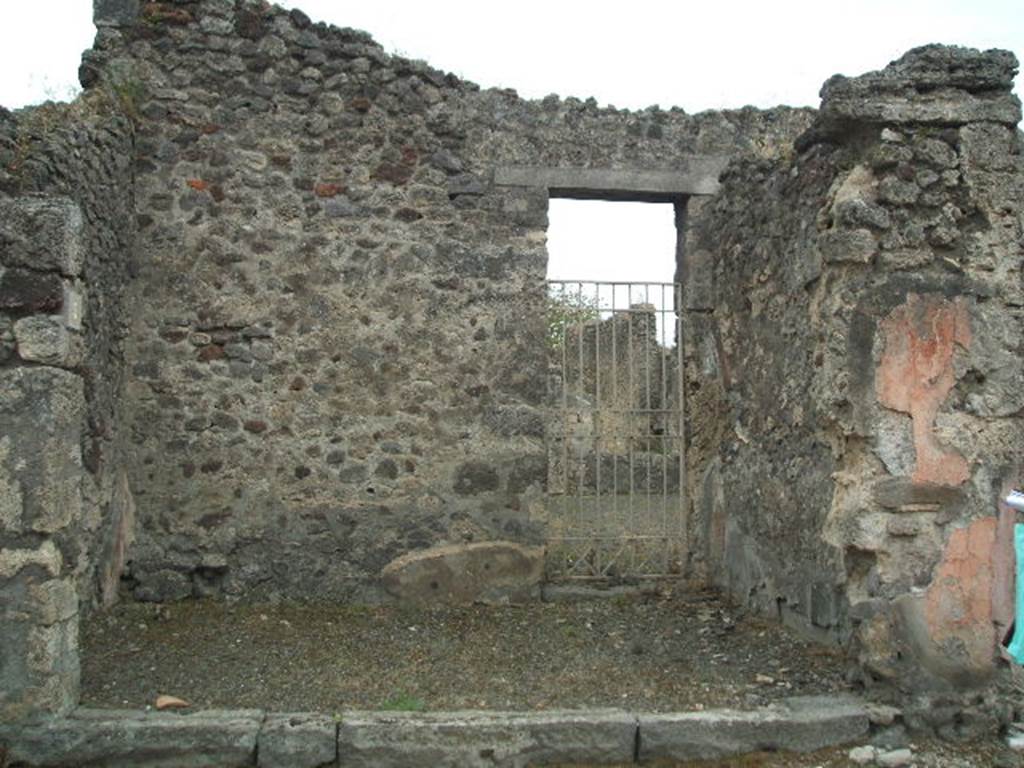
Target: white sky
696, 55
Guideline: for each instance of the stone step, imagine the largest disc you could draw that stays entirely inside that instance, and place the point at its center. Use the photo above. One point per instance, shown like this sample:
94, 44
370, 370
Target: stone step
798, 724
227, 738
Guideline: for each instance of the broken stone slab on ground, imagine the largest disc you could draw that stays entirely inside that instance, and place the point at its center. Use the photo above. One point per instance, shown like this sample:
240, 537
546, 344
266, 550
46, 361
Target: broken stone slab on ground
492, 572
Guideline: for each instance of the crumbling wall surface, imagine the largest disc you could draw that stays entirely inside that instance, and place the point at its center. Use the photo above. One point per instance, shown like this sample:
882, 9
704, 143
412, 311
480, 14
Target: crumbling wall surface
338, 348
860, 336
66, 230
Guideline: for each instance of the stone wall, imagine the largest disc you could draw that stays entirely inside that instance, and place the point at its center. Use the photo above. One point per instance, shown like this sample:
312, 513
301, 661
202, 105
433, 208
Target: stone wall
337, 336
856, 356
287, 311
616, 378
66, 232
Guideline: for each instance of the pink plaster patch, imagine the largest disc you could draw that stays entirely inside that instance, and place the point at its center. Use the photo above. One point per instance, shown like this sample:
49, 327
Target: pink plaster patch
916, 375
1004, 564
960, 605
122, 512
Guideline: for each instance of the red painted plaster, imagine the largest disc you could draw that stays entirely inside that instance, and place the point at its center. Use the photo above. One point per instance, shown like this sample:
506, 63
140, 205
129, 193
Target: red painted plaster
916, 375
1004, 566
961, 602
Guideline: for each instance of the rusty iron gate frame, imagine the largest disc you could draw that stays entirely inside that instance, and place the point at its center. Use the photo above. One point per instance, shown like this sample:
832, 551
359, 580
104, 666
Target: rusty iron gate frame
625, 418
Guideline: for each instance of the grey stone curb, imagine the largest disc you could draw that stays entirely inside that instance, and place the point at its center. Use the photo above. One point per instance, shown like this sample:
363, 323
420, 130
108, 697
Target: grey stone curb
451, 739
800, 724
230, 738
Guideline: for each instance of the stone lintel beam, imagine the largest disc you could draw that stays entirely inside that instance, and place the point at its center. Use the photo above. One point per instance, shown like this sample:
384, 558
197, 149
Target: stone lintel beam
698, 175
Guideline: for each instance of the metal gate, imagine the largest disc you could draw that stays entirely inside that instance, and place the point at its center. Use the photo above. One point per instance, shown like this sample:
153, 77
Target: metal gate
616, 448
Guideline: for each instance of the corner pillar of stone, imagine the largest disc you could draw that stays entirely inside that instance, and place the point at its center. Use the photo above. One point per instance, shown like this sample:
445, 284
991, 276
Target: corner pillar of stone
922, 230
42, 410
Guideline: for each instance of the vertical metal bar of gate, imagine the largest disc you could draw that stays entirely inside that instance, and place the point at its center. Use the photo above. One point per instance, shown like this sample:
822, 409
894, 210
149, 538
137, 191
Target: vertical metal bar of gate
621, 410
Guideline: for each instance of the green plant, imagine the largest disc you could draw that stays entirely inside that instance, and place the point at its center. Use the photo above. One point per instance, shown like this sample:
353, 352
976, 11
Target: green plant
35, 125
404, 702
126, 94
567, 308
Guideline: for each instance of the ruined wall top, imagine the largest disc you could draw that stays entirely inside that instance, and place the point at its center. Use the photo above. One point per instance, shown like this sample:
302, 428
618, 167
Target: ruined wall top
934, 84
114, 13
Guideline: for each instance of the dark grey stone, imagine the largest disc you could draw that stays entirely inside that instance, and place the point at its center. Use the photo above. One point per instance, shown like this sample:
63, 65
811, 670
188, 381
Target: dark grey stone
446, 161
24, 290
114, 13
803, 724
466, 184
485, 739
511, 420
943, 81
163, 586
696, 175
301, 740
858, 246
861, 213
475, 477
528, 472
42, 234
216, 739
339, 207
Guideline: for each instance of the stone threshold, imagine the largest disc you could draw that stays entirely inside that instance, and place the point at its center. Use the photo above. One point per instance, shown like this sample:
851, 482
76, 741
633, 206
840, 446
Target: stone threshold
230, 738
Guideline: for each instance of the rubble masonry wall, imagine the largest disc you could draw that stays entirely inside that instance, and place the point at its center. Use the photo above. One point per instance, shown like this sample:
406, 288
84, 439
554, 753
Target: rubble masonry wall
66, 234
856, 361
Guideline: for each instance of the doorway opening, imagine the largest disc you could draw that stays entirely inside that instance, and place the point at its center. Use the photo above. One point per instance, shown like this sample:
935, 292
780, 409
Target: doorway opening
616, 439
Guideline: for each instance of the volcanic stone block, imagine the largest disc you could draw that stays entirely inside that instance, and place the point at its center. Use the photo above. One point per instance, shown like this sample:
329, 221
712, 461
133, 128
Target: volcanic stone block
935, 84
43, 234
858, 246
801, 724
297, 741
489, 739
25, 290
217, 739
698, 279
42, 410
43, 339
39, 669
489, 572
698, 176
475, 477
114, 13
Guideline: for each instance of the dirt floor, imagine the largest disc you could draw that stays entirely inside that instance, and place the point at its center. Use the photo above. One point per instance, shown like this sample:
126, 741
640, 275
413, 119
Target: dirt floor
654, 652
657, 652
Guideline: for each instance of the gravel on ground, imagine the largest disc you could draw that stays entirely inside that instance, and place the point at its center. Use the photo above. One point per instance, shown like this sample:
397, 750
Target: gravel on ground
655, 652
660, 650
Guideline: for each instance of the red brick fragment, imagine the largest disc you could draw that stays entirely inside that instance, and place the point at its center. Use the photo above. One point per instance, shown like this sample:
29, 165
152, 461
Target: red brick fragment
211, 352
328, 189
165, 13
